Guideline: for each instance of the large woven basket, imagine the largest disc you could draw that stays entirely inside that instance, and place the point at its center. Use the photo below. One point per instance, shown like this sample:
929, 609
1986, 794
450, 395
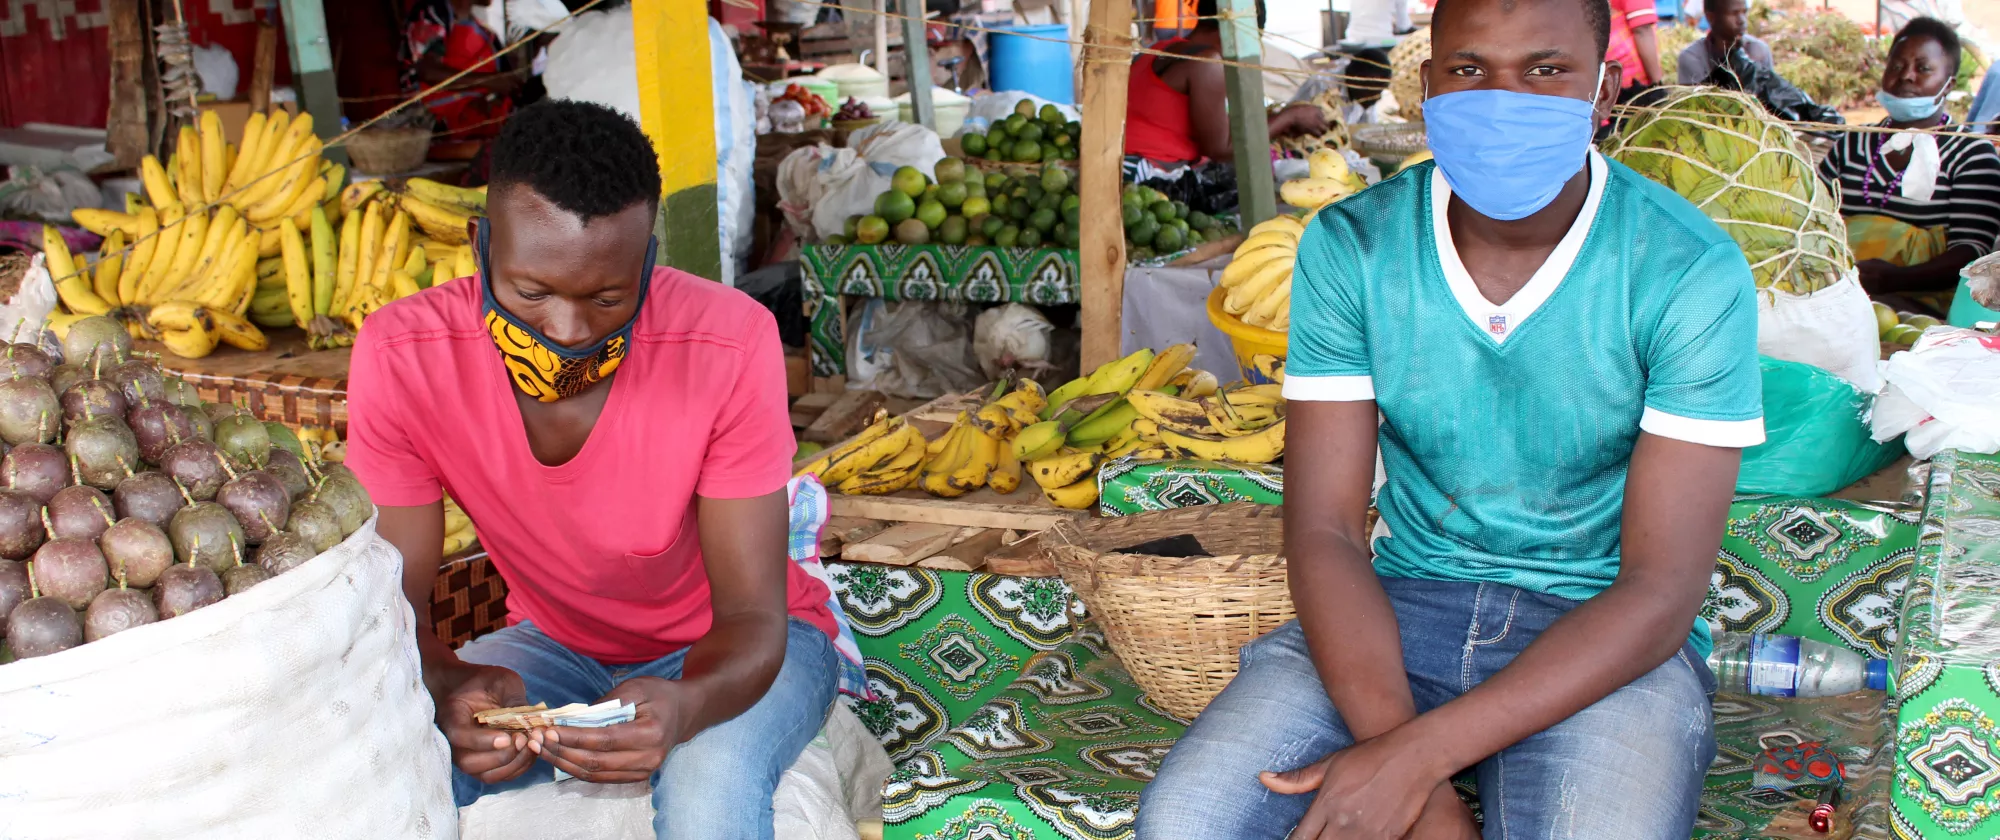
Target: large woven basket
386, 151
1178, 622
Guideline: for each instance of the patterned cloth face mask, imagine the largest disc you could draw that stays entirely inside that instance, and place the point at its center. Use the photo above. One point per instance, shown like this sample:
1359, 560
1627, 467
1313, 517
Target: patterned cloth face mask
542, 368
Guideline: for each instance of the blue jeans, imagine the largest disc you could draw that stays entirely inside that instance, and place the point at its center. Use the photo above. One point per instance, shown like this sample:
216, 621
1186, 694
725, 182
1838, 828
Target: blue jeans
1630, 766
714, 786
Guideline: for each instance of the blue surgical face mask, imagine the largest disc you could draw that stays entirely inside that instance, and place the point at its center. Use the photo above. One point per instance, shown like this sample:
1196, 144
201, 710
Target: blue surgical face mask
1508, 154
1910, 108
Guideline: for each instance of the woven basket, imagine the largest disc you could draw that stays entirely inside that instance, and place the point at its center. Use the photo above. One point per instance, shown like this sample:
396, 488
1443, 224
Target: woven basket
1178, 622
386, 151
1406, 68
469, 599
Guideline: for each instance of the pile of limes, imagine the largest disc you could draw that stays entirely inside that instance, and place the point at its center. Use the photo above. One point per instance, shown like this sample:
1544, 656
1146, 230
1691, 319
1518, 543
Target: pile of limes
1026, 136
1025, 207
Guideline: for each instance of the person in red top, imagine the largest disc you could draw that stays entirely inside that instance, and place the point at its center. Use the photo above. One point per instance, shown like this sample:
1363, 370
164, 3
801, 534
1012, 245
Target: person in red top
619, 433
1175, 107
442, 38
1635, 44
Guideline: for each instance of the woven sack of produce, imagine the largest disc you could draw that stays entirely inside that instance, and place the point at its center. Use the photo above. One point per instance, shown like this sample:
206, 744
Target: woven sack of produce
294, 709
1754, 177
1177, 623
1406, 67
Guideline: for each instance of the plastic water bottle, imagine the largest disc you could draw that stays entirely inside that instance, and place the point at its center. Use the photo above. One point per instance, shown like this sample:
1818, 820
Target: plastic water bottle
1788, 666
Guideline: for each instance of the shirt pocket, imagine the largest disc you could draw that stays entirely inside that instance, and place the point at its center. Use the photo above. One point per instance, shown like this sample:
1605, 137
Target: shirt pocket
669, 570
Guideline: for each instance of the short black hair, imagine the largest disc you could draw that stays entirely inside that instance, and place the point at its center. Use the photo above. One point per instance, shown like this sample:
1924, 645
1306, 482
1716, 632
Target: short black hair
583, 157
1206, 14
1715, 6
1936, 30
1596, 13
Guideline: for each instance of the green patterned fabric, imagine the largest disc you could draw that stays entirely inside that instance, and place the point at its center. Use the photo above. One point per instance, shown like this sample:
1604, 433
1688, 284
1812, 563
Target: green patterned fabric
1855, 727
1130, 485
1947, 671
1822, 569
1042, 276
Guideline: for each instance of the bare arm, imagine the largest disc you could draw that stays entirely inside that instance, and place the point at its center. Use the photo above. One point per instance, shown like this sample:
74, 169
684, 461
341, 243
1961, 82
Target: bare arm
743, 550
1208, 113
1647, 41
1940, 273
1677, 497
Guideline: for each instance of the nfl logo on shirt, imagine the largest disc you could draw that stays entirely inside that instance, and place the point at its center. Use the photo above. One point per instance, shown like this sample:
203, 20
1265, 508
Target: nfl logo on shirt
1496, 324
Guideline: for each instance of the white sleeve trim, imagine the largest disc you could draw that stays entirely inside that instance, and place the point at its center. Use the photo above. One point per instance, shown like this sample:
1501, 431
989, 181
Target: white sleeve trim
1735, 434
1329, 388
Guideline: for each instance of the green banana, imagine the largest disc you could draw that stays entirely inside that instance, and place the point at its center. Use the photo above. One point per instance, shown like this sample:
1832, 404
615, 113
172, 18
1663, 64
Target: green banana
1057, 398
1105, 423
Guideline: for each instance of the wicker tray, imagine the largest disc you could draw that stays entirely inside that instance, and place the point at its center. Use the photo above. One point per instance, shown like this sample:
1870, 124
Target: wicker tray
469, 599
287, 383
1390, 141
1178, 622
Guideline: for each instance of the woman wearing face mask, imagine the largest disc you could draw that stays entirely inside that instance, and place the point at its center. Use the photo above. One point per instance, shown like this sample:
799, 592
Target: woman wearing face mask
1919, 205
619, 432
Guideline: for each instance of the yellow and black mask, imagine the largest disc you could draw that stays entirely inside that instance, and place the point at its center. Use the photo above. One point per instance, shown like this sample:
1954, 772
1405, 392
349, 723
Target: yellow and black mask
542, 368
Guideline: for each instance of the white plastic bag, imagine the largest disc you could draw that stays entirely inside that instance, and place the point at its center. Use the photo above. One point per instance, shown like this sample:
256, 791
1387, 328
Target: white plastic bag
295, 709
23, 315
836, 781
217, 69
890, 144
1833, 329
848, 186
1943, 393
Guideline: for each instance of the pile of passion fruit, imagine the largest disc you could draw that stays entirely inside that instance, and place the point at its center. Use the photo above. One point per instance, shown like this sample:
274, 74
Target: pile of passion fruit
128, 500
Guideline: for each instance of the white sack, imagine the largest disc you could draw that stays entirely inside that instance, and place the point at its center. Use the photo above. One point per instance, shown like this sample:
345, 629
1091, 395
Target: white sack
217, 69
296, 709
836, 781
23, 315
1833, 329
846, 185
1944, 393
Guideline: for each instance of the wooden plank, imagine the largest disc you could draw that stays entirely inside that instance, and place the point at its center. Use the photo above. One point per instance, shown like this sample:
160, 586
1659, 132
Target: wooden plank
128, 138
312, 70
917, 58
850, 413
983, 509
263, 66
968, 554
901, 545
1021, 557
840, 531
1101, 256
1249, 134
808, 408
881, 39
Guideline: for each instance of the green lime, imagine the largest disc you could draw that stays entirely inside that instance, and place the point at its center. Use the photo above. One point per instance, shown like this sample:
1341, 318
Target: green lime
973, 144
912, 232
1031, 132
1051, 113
1168, 240
950, 170
1162, 211
1027, 151
837, 239
1145, 230
895, 205
1007, 237
909, 181
1201, 221
1071, 214
931, 213
1025, 109
991, 226
953, 231
1055, 178
847, 227
975, 188
1132, 214
1014, 125
871, 230
951, 193
1030, 238
1043, 220
975, 206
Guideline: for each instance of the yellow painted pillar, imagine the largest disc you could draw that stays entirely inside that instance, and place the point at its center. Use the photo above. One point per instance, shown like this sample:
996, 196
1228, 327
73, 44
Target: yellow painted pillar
677, 110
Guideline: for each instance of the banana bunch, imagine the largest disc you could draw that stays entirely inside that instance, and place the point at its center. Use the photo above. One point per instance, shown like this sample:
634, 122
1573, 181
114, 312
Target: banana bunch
1092, 419
1333, 107
1245, 424
884, 458
1330, 179
1259, 277
394, 240
978, 450
458, 532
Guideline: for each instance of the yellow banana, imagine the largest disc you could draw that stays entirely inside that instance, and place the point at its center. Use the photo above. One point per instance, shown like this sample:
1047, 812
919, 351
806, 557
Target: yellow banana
246, 155
371, 245
1266, 309
1257, 286
881, 427
216, 251
192, 343
1282, 323
1038, 440
103, 222
322, 246
172, 232
1270, 367
296, 179
1146, 428
1079, 495
973, 474
1256, 395
442, 224
455, 199
178, 315
159, 190
463, 263
1313, 193
400, 255
1329, 164
193, 233
187, 167
871, 484
336, 177
402, 284
459, 541
357, 194
960, 447
142, 253
300, 210
268, 244
1283, 222
271, 272
1166, 365
72, 286
236, 332
110, 262
1246, 263
1262, 447
1006, 477
392, 244
285, 156
214, 151
1270, 239
298, 278
1065, 468
134, 201
859, 459
1119, 375
344, 266
269, 308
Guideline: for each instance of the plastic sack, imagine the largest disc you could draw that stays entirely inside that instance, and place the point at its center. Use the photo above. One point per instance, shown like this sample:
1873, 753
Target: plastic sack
843, 185
23, 315
1816, 434
217, 69
1832, 329
890, 144
1943, 393
916, 349
295, 709
1785, 101
736, 150
836, 781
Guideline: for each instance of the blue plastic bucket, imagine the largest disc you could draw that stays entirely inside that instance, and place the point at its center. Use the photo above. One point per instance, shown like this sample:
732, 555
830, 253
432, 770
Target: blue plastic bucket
1038, 64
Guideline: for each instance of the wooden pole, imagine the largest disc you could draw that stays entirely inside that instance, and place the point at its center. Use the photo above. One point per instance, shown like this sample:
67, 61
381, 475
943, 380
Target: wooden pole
312, 70
1107, 62
882, 39
917, 64
127, 138
1256, 194
677, 111
263, 65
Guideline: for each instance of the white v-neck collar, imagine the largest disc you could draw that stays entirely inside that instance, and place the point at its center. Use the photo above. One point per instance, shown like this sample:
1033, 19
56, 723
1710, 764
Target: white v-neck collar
1497, 322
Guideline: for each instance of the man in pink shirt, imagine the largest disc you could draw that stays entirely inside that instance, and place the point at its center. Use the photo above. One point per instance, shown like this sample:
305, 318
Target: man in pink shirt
620, 434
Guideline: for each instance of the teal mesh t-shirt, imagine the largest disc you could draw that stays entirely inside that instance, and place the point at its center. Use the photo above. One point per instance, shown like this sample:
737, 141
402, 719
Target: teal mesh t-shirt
1507, 429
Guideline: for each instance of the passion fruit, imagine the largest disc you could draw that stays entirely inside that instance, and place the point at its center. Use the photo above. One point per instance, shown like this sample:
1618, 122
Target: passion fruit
158, 426
283, 438
25, 360
92, 398
315, 522
96, 341
198, 466
243, 576
72, 570
206, 534
36, 469
29, 411
139, 380
184, 588
148, 496
105, 451
116, 611
290, 470
259, 501
284, 552
244, 439
41, 626
350, 503
139, 548
180, 393
79, 511
21, 529
204, 428
66, 376
13, 589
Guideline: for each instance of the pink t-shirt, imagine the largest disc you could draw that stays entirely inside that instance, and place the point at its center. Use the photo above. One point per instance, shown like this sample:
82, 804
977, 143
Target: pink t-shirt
1627, 15
601, 552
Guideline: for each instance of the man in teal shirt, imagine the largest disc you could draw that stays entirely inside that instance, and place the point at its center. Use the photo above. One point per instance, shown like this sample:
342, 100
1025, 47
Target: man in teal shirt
1563, 356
